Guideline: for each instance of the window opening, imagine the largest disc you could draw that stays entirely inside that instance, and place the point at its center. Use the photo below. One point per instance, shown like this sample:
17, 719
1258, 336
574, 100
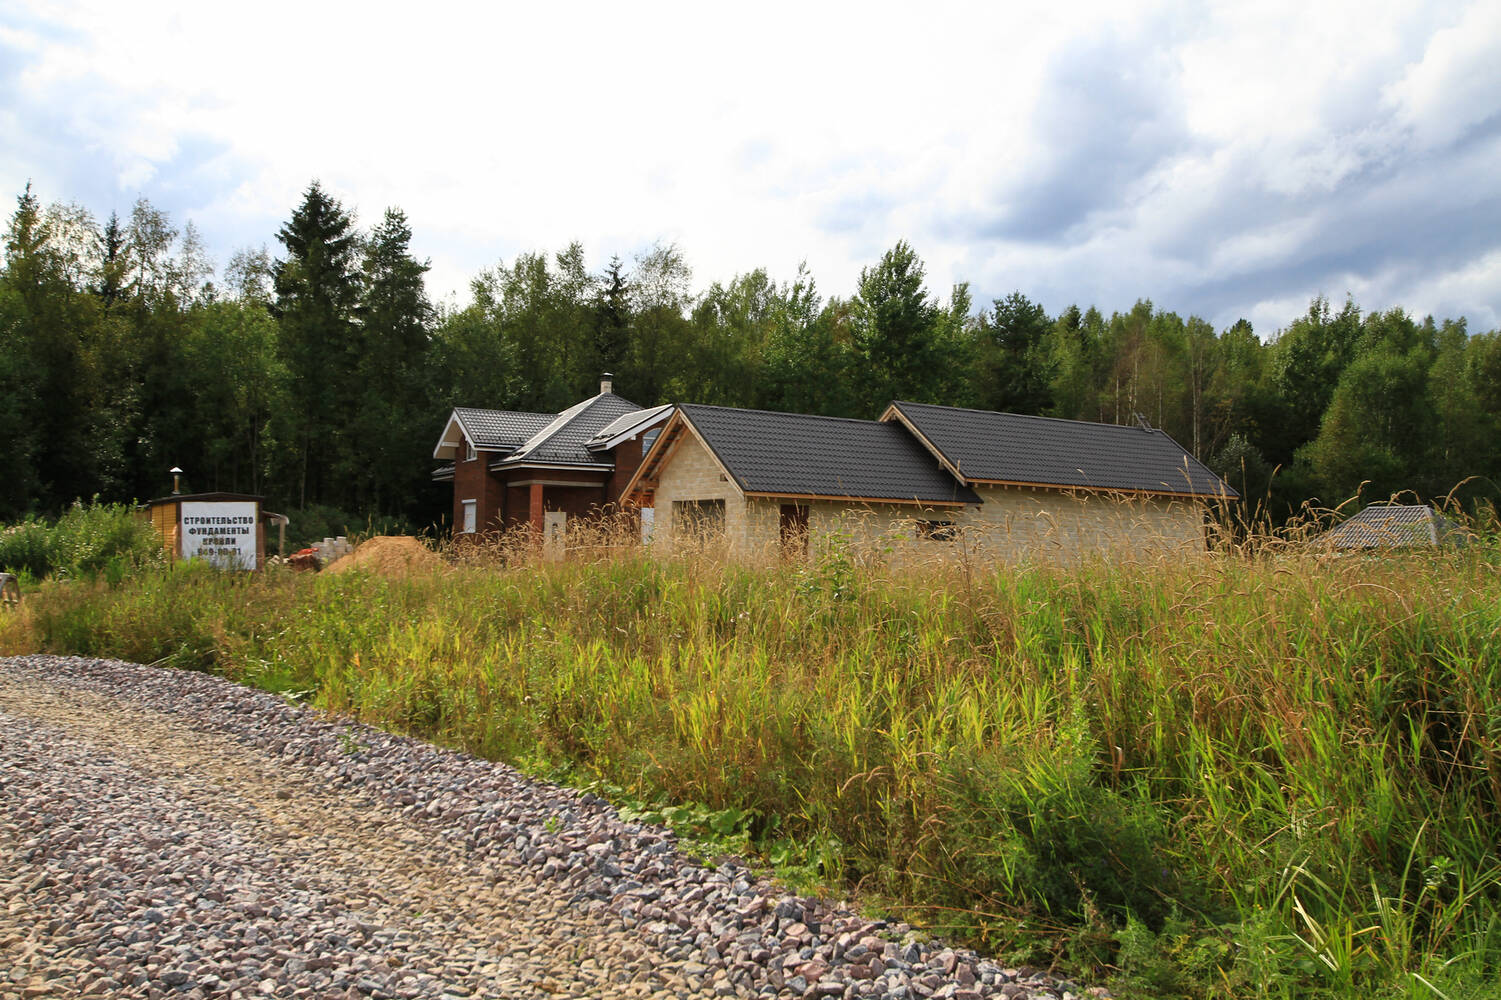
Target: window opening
699, 518
937, 531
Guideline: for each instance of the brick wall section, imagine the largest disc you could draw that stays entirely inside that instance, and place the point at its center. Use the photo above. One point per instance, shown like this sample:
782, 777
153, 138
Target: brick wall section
472, 481
627, 456
518, 499
1016, 524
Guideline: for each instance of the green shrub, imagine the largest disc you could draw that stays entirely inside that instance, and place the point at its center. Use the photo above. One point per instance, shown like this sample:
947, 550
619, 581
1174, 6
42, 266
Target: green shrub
27, 548
87, 540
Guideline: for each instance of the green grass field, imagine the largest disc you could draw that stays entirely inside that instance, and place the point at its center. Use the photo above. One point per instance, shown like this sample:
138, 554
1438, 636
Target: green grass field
1273, 775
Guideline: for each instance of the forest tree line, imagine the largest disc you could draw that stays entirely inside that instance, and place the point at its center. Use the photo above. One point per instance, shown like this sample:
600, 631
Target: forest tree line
321, 374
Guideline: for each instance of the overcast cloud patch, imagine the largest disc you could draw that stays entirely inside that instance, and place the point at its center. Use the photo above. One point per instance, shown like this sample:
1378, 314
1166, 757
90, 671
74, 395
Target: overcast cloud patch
1226, 162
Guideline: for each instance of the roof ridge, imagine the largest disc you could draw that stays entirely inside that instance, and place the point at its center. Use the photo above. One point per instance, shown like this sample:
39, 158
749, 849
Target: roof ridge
1029, 416
520, 413
560, 421
779, 413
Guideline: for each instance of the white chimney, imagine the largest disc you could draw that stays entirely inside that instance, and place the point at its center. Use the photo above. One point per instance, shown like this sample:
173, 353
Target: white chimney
606, 382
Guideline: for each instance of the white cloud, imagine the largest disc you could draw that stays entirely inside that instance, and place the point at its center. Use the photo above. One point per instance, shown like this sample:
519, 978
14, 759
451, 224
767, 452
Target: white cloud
1095, 153
1457, 83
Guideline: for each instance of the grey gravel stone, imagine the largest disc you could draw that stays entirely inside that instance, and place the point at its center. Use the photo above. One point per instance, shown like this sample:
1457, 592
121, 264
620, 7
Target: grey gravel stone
170, 833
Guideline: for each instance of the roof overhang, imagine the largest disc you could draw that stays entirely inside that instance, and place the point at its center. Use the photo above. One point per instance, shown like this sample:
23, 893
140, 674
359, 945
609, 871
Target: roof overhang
849, 498
894, 412
505, 465
454, 434
1075, 488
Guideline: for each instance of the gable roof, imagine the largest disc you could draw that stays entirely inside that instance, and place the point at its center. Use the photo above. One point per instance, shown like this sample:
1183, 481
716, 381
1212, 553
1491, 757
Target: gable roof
983, 446
800, 455
1391, 526
563, 440
490, 430
518, 438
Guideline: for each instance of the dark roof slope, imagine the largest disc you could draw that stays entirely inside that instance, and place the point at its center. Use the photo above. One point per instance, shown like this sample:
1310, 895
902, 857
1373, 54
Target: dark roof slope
501, 430
802, 455
1014, 448
1392, 526
562, 439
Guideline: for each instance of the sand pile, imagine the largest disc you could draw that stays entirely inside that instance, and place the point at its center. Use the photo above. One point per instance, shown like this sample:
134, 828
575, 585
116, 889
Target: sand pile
388, 555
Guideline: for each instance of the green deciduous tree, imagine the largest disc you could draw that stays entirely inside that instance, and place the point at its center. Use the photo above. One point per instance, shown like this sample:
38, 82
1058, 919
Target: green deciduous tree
1376, 427
899, 352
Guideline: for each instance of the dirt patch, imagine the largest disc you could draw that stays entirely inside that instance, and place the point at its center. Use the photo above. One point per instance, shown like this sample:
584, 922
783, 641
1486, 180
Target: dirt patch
389, 555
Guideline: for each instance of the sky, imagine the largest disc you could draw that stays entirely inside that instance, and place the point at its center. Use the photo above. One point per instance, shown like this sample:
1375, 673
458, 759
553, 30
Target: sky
1225, 160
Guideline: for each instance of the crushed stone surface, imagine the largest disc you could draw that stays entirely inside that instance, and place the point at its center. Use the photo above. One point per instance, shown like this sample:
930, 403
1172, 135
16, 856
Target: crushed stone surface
171, 834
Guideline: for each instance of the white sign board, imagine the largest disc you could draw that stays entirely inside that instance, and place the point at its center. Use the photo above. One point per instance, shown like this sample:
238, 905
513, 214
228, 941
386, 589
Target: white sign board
221, 533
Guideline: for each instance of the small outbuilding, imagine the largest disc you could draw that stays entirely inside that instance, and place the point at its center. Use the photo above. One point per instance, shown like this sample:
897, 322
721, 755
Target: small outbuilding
225, 529
1395, 526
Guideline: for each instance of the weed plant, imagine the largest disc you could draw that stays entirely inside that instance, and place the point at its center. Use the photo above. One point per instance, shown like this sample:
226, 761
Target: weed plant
87, 540
1264, 772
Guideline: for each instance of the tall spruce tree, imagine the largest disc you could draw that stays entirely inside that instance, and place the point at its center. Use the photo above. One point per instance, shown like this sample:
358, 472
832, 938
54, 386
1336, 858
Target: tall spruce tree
317, 292
1014, 364
391, 419
612, 318
49, 330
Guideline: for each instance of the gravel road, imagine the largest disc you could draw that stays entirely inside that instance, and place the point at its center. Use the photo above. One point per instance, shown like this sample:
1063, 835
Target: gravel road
170, 834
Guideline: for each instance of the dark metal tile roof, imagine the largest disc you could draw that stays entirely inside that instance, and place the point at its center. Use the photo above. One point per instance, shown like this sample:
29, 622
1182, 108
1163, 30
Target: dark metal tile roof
1015, 448
501, 430
562, 439
1389, 526
803, 455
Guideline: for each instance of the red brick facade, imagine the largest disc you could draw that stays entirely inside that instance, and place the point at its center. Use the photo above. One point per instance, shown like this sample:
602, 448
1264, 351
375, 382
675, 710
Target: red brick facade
503, 499
557, 466
472, 481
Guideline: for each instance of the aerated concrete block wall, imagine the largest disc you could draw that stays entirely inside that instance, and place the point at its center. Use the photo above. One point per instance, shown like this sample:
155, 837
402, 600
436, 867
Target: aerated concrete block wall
692, 474
1013, 525
1016, 524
